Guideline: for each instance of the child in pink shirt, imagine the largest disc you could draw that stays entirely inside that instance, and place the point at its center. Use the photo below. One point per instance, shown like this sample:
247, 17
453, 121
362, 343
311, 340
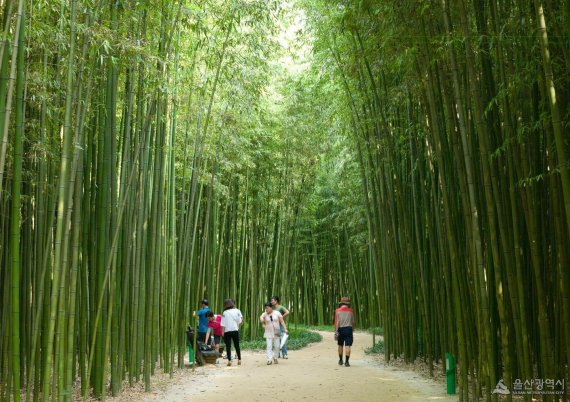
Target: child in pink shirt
214, 327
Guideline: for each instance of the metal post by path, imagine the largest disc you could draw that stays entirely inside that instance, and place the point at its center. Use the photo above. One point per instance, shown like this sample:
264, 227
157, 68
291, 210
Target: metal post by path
450, 373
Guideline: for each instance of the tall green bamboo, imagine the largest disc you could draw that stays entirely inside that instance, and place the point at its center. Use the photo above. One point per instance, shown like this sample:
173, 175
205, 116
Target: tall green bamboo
5, 120
15, 238
409, 164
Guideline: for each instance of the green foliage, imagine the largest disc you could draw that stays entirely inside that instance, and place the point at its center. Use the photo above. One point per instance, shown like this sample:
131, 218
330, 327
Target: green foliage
256, 344
453, 133
378, 348
298, 339
406, 154
376, 330
326, 328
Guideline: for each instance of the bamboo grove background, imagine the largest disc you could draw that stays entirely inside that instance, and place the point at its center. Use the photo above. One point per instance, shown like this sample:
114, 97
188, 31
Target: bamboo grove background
144, 166
155, 153
460, 115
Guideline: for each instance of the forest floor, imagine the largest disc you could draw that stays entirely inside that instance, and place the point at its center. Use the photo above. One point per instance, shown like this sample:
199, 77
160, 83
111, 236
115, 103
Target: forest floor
310, 374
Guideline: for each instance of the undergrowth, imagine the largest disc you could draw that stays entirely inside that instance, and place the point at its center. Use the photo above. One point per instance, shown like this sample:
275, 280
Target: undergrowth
298, 338
376, 349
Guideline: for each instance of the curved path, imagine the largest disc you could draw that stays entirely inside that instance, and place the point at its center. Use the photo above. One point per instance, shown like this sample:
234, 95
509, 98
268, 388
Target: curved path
310, 374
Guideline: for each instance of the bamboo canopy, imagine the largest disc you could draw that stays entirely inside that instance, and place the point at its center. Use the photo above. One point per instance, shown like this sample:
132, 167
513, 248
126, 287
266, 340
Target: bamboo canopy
411, 155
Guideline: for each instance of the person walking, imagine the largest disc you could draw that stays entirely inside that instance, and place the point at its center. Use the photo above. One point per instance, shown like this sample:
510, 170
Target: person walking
202, 320
284, 312
215, 328
231, 321
272, 321
343, 326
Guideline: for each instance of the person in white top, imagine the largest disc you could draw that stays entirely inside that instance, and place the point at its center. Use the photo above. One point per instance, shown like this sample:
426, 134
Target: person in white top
270, 320
231, 321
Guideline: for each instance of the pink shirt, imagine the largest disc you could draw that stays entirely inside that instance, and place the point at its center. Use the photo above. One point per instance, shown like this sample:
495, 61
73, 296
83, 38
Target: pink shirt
271, 327
216, 325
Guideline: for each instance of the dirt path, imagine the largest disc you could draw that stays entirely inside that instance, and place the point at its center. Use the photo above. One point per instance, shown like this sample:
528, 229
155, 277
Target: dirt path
310, 374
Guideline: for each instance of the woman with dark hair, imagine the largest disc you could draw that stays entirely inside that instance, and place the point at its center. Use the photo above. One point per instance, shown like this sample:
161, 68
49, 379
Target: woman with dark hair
231, 321
272, 320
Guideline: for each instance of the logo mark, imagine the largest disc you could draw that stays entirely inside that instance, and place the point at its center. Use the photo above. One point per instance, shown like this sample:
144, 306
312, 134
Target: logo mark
501, 388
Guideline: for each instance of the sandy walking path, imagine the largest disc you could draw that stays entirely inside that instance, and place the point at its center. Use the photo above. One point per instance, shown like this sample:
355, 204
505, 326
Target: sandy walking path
310, 374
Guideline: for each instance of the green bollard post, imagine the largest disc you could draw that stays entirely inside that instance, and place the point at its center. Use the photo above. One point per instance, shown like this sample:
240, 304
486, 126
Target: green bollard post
190, 354
450, 373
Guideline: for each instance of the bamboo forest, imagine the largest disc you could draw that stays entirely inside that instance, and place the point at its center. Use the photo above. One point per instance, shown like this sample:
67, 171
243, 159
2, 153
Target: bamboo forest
412, 155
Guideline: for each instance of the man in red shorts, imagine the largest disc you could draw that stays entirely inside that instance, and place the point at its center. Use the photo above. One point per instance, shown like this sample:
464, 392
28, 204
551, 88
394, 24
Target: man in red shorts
343, 325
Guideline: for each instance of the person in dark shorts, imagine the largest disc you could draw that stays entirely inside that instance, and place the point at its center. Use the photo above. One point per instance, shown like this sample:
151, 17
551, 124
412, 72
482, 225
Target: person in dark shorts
343, 326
